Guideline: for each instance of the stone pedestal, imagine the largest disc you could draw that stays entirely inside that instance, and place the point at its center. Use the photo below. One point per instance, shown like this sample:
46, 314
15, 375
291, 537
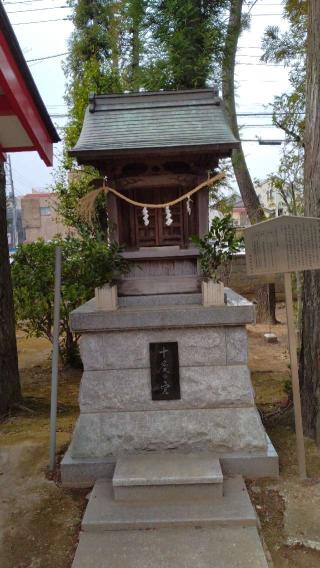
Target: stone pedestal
216, 411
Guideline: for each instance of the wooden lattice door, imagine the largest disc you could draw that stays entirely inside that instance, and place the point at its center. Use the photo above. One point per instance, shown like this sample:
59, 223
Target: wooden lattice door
157, 233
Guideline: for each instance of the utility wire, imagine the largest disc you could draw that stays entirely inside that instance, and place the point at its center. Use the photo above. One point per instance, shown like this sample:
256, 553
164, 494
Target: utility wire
40, 22
242, 114
61, 19
38, 9
24, 2
46, 57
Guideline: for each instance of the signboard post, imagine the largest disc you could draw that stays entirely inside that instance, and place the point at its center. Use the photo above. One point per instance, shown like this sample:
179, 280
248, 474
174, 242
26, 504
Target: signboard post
285, 245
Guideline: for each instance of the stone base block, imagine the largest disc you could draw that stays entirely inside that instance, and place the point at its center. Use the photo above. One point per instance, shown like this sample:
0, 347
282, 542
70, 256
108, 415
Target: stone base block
201, 387
81, 472
222, 430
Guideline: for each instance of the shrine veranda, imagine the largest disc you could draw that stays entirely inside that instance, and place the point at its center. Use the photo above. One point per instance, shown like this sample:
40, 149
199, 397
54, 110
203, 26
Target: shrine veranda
162, 373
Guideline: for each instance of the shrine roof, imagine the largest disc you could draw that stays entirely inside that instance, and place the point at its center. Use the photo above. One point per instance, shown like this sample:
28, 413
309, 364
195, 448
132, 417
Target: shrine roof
24, 121
127, 123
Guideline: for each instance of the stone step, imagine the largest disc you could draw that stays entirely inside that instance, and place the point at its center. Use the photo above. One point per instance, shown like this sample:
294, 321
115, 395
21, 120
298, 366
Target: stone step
104, 513
167, 476
182, 547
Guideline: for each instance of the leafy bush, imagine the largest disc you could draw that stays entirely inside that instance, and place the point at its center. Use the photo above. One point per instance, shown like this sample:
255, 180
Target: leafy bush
217, 246
86, 264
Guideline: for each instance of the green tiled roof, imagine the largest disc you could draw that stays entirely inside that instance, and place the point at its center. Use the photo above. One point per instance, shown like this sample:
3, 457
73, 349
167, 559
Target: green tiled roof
150, 121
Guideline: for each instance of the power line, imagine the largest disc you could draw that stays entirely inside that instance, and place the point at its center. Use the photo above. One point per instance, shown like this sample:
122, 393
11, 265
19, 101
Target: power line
24, 2
262, 64
257, 15
242, 114
258, 126
46, 57
264, 113
281, 140
40, 22
38, 9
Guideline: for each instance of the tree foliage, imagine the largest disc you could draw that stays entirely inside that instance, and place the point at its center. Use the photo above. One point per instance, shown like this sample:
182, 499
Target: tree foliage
93, 63
289, 108
70, 188
288, 181
289, 48
127, 45
187, 39
86, 264
120, 45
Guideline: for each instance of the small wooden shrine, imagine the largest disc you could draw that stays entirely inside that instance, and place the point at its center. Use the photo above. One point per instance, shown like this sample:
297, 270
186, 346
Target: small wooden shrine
153, 148
163, 372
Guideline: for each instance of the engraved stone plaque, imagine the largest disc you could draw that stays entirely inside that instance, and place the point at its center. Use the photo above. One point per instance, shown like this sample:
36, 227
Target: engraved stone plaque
284, 244
164, 365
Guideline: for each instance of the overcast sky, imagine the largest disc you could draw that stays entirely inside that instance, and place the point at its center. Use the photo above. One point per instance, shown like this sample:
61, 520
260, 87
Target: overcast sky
257, 83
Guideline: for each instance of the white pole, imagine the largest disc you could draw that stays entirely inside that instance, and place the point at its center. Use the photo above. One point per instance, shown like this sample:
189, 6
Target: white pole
295, 376
55, 360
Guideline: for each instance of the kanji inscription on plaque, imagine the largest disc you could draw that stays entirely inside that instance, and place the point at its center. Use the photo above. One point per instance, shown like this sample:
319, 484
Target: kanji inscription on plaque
164, 364
284, 244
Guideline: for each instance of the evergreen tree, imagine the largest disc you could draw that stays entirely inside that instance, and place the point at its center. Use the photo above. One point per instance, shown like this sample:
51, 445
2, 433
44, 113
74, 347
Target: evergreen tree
95, 57
187, 39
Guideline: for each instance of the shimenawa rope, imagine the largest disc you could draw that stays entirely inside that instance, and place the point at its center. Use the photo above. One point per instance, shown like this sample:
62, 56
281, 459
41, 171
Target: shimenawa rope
87, 203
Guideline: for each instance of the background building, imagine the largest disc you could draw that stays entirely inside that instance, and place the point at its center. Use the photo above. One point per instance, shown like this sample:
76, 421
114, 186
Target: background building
271, 199
271, 202
239, 214
16, 234
40, 218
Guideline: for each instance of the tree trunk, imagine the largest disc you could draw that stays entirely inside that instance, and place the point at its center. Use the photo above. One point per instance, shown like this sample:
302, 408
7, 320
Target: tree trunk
266, 304
299, 289
135, 57
9, 374
266, 295
310, 347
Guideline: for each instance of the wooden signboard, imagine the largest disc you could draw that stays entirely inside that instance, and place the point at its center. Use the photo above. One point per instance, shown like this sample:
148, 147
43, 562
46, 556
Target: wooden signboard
286, 244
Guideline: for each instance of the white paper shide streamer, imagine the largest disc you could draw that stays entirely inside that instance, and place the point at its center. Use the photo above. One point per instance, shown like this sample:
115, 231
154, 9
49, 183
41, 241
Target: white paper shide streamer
189, 201
168, 215
145, 215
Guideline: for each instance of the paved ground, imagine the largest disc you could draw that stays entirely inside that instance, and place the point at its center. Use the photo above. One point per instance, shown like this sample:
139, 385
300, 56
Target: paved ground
172, 548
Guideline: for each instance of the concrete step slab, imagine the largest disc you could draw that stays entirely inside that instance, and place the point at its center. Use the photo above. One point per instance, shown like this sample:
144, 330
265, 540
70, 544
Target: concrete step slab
184, 547
164, 476
104, 513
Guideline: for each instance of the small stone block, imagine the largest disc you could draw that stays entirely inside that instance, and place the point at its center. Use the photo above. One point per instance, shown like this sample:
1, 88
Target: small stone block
165, 468
161, 476
270, 338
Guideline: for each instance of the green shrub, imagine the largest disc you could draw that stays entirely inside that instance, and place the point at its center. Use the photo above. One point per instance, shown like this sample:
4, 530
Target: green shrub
217, 246
86, 264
